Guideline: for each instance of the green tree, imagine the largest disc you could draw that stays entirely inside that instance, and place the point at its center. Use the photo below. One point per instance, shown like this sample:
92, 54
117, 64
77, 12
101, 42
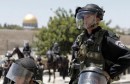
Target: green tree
62, 29
105, 25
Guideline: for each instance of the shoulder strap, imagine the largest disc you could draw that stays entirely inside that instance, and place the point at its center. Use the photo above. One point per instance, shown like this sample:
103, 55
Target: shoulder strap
80, 38
99, 37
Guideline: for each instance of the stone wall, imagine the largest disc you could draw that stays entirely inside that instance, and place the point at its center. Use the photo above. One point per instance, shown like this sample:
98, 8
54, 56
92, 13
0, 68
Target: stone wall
12, 38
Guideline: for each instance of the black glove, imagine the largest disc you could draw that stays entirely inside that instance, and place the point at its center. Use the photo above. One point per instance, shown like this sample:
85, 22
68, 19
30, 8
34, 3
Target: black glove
75, 64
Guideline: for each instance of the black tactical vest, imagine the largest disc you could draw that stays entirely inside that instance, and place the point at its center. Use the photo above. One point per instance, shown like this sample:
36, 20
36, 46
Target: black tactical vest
90, 49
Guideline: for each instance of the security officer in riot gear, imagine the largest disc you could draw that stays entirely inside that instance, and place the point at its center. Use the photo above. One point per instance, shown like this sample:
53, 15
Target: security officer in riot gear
56, 51
27, 49
56, 48
97, 46
40, 68
23, 71
6, 67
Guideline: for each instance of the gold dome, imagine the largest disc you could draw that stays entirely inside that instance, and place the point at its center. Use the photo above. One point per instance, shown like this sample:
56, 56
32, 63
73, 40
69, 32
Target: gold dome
30, 20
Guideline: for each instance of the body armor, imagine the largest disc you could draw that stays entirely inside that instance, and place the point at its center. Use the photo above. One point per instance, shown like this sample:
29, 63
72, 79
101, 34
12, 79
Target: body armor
90, 50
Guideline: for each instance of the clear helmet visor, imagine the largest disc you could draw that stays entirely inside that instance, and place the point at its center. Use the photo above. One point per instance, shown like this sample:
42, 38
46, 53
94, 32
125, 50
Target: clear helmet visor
19, 74
80, 18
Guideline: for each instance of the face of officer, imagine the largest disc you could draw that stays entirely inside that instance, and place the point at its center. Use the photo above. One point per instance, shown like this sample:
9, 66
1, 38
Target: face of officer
90, 20
87, 20
89, 16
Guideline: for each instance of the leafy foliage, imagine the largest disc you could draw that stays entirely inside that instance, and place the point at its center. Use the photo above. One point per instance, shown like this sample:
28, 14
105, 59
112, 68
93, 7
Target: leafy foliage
105, 25
62, 29
7, 26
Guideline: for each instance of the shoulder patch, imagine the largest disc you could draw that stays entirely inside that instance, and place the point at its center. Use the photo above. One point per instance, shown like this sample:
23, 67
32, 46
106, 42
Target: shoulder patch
120, 44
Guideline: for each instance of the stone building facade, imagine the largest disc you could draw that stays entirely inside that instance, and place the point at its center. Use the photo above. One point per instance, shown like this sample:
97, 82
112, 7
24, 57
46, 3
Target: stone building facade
12, 38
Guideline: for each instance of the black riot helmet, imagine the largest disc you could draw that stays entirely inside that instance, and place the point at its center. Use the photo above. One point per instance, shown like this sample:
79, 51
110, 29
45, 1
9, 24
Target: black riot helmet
39, 58
91, 8
80, 12
8, 54
22, 70
27, 63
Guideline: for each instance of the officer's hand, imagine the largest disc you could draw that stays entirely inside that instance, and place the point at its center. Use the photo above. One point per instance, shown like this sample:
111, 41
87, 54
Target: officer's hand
74, 60
75, 64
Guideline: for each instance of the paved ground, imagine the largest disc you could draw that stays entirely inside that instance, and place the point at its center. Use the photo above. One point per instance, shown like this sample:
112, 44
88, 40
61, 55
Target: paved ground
1, 81
58, 80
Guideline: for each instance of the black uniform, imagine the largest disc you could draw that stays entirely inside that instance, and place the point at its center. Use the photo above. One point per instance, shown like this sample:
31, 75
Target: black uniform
115, 53
56, 49
27, 50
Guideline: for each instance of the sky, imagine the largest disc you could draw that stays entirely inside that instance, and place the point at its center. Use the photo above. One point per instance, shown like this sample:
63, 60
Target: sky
13, 11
